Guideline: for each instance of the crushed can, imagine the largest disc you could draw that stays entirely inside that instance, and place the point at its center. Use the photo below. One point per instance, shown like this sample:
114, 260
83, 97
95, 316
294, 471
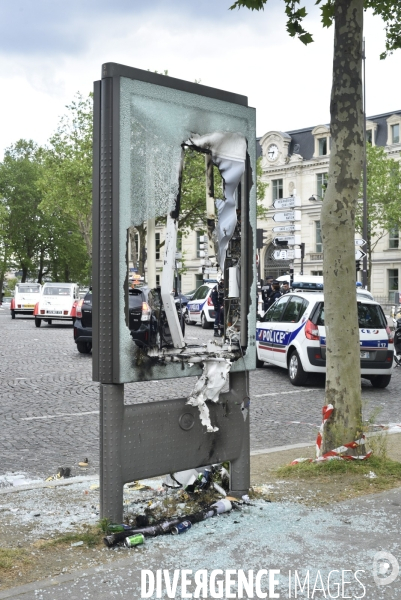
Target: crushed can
181, 527
134, 540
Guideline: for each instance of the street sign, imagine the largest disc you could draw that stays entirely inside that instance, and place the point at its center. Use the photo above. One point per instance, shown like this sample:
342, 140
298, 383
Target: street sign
359, 254
287, 202
360, 242
289, 228
291, 215
290, 240
287, 254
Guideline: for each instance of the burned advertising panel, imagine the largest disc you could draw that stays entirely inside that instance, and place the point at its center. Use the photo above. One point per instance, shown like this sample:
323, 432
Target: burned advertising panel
160, 127
172, 158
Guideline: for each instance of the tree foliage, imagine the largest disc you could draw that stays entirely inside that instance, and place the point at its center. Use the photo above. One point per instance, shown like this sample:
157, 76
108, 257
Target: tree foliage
67, 178
26, 225
388, 10
383, 193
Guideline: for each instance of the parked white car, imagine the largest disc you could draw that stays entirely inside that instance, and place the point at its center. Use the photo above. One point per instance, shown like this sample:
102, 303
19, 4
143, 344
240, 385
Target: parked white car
26, 296
56, 303
200, 308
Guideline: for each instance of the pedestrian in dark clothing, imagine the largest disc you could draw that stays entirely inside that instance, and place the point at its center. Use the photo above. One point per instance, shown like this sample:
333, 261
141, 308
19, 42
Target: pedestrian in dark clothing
285, 288
217, 296
275, 293
267, 290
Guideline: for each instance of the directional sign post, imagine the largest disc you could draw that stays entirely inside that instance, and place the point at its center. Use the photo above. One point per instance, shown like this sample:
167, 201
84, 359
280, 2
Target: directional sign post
284, 203
290, 240
287, 228
286, 254
359, 254
291, 215
360, 242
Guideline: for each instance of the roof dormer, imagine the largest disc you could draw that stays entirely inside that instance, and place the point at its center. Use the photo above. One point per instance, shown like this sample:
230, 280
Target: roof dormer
393, 129
321, 134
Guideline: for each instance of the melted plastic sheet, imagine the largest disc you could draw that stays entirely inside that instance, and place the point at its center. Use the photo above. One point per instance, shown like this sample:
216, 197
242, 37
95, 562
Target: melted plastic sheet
154, 123
228, 152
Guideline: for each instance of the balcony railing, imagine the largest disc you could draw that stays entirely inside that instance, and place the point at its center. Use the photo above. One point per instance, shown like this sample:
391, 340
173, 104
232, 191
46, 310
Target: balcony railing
316, 256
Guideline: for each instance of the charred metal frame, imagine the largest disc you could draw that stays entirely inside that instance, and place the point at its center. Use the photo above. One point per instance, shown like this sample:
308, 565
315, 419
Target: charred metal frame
156, 438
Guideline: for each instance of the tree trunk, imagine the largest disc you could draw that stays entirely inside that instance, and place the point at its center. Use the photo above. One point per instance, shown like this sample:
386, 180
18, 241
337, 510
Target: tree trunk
343, 384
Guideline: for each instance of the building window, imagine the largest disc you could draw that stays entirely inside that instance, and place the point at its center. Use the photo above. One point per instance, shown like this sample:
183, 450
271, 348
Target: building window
198, 280
369, 136
179, 241
277, 189
321, 183
317, 273
198, 242
157, 244
318, 237
394, 238
157, 280
322, 146
395, 133
392, 279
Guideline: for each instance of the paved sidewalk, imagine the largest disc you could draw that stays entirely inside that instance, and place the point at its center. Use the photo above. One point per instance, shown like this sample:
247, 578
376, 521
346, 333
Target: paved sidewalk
344, 537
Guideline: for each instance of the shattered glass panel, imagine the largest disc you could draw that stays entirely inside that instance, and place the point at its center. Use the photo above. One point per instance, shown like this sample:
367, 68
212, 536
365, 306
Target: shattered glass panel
155, 124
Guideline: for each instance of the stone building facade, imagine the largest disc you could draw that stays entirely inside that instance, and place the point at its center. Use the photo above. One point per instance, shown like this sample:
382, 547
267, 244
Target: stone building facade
299, 160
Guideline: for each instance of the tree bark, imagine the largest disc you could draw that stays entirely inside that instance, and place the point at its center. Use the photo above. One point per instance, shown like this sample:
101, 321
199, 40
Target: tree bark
343, 385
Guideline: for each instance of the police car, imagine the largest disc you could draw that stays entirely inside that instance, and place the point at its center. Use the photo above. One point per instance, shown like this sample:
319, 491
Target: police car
291, 334
200, 308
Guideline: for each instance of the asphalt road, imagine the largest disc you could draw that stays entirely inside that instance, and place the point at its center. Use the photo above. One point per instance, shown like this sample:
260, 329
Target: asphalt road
49, 403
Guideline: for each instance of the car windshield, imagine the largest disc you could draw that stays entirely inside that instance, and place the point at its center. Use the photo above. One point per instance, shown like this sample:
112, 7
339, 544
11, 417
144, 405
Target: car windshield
370, 316
57, 291
29, 289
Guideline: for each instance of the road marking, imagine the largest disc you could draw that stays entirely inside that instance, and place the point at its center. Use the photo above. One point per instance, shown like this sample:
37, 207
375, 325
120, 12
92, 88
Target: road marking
79, 414
292, 392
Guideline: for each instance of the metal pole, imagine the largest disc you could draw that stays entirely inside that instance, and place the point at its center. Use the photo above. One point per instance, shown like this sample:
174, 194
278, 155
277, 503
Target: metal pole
365, 202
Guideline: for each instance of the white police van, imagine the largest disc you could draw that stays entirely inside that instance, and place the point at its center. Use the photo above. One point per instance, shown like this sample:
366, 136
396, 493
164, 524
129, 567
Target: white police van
291, 334
200, 308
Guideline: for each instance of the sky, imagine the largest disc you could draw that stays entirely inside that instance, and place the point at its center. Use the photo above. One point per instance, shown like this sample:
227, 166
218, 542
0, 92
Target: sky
52, 49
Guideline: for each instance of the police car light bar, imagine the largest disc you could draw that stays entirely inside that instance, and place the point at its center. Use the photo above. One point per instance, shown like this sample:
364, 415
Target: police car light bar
310, 286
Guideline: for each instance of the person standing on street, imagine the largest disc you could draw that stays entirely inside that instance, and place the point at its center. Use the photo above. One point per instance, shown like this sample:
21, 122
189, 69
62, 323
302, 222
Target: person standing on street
285, 288
267, 290
217, 296
275, 293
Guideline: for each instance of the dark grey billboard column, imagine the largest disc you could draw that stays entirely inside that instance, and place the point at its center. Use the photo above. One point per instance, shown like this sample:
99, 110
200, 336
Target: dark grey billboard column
155, 438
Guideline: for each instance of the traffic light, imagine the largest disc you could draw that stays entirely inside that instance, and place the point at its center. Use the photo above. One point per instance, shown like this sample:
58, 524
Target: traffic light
358, 265
261, 238
202, 246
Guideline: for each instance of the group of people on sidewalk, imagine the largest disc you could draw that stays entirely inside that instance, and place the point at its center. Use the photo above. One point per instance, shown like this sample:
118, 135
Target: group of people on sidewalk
271, 291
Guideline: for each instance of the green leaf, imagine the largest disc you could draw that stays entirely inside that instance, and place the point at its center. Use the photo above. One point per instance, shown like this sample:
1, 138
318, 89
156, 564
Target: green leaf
306, 38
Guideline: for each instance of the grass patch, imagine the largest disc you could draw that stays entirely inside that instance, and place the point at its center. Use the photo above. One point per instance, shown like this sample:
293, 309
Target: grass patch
10, 558
382, 467
91, 536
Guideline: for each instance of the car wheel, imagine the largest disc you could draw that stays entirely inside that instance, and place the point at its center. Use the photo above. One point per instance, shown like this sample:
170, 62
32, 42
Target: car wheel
84, 347
380, 381
259, 363
13, 314
204, 323
38, 322
186, 318
296, 372
397, 360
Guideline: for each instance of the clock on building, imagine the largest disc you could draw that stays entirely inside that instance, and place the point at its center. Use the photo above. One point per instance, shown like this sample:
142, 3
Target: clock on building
272, 152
